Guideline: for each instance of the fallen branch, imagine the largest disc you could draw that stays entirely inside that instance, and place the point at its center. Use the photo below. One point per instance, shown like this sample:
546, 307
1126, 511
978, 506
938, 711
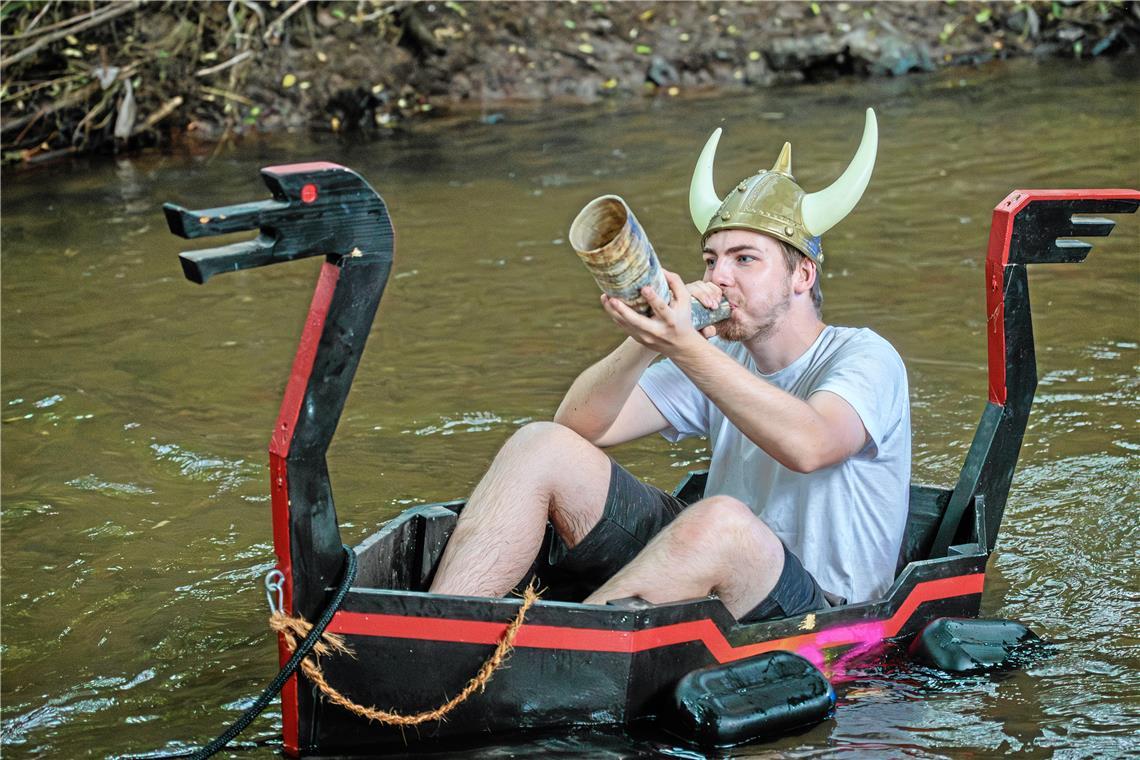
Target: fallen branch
27, 32
278, 23
65, 102
68, 100
217, 91
167, 108
21, 90
224, 65
57, 25
117, 9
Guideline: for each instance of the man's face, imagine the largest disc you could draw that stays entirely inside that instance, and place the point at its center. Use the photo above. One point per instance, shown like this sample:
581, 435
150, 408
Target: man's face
749, 269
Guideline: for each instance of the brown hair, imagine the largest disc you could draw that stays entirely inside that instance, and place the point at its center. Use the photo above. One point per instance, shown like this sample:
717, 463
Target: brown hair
792, 256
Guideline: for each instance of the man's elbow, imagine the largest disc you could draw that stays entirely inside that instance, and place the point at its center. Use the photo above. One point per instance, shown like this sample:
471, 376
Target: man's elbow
801, 464
591, 433
811, 460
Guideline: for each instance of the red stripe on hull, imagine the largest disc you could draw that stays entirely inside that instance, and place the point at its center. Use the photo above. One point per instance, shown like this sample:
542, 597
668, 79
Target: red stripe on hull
279, 445
604, 640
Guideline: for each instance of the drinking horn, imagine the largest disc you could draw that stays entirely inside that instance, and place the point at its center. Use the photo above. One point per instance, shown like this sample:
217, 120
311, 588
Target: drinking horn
612, 244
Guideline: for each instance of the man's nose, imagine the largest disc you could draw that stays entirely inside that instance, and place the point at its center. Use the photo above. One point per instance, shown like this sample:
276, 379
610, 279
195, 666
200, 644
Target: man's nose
720, 274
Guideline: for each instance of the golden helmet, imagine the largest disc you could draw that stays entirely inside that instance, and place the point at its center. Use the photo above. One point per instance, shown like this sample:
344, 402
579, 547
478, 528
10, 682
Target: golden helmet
773, 204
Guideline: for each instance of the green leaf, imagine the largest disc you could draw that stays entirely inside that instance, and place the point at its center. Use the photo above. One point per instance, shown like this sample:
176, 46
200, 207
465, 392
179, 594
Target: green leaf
338, 13
815, 9
456, 7
983, 15
643, 49
569, 24
9, 8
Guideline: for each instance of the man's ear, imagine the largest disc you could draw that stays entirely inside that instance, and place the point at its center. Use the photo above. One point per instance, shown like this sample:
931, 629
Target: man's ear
805, 274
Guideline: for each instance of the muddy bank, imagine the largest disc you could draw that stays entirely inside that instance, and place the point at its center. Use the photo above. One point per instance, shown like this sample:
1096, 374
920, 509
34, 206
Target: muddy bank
123, 75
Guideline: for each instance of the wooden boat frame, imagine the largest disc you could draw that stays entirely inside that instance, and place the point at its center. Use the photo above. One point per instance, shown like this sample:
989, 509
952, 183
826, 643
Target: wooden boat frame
573, 663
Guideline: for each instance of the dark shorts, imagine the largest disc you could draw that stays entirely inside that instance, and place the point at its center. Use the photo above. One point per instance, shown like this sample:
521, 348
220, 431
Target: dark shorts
634, 513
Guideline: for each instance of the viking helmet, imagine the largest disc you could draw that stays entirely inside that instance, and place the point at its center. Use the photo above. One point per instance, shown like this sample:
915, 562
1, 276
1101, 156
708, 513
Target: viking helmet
773, 204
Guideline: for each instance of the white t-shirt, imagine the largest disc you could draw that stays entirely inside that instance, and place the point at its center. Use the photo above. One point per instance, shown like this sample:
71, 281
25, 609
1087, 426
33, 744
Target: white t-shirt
844, 522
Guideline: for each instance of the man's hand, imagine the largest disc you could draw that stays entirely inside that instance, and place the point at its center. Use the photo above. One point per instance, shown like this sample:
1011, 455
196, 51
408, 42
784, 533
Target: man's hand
670, 329
709, 296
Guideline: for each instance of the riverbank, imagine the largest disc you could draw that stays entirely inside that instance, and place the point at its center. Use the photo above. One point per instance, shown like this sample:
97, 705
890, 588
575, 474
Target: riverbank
125, 75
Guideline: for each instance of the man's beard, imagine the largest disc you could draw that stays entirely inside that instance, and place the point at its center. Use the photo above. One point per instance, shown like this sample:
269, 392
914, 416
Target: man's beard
735, 331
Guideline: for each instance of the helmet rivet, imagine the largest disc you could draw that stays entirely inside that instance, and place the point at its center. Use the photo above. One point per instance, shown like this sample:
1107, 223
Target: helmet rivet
725, 216
742, 187
788, 231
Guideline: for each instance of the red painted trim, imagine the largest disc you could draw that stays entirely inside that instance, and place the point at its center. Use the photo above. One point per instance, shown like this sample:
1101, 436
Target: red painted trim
279, 445
995, 330
311, 166
279, 490
282, 437
997, 257
605, 640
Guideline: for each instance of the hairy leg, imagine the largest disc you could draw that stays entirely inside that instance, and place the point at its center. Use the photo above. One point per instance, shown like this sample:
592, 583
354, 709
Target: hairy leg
545, 471
715, 546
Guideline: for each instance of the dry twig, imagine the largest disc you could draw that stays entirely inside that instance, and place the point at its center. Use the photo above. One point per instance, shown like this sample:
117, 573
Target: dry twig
116, 9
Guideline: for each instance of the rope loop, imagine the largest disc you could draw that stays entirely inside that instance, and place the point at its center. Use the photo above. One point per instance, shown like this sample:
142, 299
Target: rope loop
295, 628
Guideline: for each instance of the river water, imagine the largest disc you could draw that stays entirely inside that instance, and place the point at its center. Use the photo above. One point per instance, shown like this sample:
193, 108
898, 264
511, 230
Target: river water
137, 406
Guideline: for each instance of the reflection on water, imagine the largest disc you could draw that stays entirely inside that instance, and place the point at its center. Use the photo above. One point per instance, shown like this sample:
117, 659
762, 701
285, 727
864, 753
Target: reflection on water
136, 407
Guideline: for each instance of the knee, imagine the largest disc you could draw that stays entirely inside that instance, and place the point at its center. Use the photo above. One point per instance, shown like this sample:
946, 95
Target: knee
719, 523
550, 452
541, 433
537, 440
721, 512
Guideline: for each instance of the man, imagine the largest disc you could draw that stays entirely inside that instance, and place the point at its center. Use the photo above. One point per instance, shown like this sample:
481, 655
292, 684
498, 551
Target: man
809, 427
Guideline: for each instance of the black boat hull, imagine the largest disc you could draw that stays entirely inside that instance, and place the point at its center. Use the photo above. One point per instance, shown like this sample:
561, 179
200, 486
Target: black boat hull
573, 664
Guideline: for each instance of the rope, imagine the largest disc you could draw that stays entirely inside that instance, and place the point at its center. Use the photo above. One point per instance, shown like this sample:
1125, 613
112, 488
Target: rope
292, 628
312, 641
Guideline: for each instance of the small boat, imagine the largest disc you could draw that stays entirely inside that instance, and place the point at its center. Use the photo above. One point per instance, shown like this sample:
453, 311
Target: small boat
572, 663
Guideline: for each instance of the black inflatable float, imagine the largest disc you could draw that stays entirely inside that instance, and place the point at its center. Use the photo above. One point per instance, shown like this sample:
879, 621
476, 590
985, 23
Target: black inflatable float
762, 696
963, 645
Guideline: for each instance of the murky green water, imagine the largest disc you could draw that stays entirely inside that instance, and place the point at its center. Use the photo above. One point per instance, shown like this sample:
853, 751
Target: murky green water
136, 406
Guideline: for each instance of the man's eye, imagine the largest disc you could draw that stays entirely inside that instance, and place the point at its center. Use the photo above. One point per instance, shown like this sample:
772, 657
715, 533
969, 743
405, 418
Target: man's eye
709, 263
745, 259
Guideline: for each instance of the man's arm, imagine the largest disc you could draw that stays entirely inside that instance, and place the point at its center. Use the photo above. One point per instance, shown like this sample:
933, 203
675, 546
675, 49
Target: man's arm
605, 405
804, 436
801, 435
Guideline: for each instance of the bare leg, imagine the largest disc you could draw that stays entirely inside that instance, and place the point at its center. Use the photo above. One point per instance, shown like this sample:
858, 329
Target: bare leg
545, 471
715, 546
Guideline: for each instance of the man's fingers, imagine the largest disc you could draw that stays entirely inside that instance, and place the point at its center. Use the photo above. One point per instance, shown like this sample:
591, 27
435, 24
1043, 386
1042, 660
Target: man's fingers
677, 286
656, 302
623, 315
705, 292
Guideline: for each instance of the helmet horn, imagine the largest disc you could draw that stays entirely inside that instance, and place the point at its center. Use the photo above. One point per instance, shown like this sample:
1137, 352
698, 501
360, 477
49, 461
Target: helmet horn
783, 164
824, 209
703, 200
